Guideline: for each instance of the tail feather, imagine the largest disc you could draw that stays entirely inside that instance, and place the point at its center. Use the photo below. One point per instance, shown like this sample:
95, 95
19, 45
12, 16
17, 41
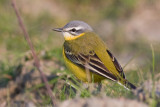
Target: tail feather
127, 85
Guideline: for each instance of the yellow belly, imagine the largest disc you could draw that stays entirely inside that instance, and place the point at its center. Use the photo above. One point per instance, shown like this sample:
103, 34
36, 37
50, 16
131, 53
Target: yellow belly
80, 73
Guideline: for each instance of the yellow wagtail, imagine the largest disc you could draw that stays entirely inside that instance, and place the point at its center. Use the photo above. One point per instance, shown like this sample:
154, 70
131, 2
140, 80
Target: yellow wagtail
87, 56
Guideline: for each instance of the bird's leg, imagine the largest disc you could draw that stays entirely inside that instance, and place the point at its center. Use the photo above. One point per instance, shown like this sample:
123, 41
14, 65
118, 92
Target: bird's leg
88, 74
99, 88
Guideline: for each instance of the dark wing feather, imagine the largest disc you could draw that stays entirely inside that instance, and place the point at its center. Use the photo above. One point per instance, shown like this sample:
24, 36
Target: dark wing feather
91, 62
72, 57
116, 64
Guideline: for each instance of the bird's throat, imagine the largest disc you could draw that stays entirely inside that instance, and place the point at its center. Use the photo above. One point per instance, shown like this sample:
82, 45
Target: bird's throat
68, 36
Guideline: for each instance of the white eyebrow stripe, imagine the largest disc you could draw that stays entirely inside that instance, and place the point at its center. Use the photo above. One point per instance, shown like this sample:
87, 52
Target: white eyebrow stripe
77, 28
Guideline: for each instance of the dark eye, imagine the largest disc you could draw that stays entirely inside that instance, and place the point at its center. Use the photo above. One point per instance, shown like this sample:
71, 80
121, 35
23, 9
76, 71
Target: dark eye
73, 30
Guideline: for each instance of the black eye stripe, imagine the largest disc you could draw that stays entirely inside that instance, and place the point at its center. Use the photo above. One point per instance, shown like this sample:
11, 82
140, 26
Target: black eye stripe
73, 30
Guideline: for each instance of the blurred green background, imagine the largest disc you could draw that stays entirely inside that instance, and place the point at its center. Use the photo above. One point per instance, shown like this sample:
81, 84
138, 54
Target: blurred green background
129, 28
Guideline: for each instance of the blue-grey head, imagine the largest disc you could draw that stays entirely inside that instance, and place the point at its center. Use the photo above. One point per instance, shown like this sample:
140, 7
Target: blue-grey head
73, 29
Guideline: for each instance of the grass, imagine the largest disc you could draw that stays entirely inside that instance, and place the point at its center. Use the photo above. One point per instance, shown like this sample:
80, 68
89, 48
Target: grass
71, 87
154, 102
8, 72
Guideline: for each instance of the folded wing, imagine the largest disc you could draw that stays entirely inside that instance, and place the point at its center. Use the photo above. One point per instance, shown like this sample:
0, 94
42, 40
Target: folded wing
91, 62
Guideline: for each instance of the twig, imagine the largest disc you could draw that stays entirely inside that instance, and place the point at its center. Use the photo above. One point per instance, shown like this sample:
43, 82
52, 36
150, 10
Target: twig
36, 60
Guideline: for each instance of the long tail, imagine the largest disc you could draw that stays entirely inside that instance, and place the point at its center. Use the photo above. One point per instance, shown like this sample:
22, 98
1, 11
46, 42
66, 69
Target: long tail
127, 84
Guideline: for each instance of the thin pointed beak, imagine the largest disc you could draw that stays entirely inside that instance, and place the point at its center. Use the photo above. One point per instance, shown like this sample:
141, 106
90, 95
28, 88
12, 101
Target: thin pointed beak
58, 29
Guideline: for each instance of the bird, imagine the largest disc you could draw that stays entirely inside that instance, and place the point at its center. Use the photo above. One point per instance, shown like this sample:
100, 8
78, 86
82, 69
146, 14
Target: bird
88, 57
